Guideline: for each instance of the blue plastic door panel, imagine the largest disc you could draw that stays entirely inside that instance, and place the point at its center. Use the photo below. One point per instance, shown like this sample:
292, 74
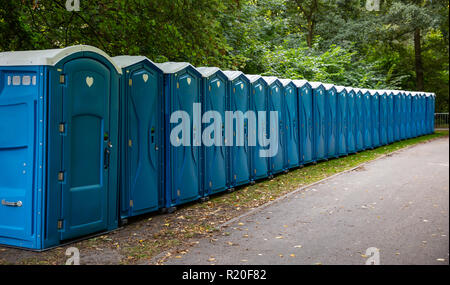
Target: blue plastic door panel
375, 110
414, 115
368, 126
422, 114
291, 104
351, 123
259, 104
86, 150
215, 155
343, 122
397, 117
276, 104
359, 122
240, 154
408, 121
19, 121
390, 117
185, 159
143, 143
383, 120
402, 116
332, 123
306, 124
320, 128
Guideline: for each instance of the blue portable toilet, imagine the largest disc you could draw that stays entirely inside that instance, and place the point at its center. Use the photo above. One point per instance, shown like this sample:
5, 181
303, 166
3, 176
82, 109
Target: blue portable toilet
414, 114
430, 112
276, 104
422, 113
320, 116
397, 118
390, 115
351, 120
383, 117
306, 122
359, 119
408, 115
239, 103
58, 158
402, 115
141, 137
332, 120
291, 124
259, 164
214, 153
182, 127
368, 121
342, 118
375, 114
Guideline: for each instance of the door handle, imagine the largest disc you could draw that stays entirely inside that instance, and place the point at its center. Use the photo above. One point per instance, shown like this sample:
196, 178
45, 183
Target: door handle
12, 204
106, 158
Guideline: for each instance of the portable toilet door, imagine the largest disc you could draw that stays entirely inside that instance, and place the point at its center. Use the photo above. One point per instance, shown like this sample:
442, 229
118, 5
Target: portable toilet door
427, 113
383, 118
402, 115
306, 122
214, 153
351, 120
237, 128
58, 159
275, 104
422, 113
359, 119
182, 126
141, 137
332, 121
320, 121
397, 114
258, 104
414, 111
375, 113
368, 121
291, 123
408, 118
433, 107
390, 116
342, 118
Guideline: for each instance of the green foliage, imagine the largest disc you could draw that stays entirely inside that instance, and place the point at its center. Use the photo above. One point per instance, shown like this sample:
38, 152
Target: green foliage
337, 41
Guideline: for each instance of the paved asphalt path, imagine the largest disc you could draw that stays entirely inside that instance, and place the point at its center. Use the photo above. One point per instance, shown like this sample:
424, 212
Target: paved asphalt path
398, 204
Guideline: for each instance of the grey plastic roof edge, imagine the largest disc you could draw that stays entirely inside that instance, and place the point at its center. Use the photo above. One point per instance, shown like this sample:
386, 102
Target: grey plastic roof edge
253, 77
48, 57
270, 79
124, 61
233, 74
339, 88
171, 67
328, 86
300, 82
315, 84
207, 71
285, 82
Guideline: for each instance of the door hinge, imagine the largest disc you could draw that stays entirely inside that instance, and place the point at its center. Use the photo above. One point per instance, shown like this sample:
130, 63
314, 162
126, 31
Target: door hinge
60, 224
62, 78
61, 176
62, 128
130, 82
131, 203
130, 143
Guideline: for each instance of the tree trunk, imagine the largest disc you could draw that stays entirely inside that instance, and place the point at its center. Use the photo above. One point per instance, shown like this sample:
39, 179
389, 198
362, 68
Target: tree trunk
418, 59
